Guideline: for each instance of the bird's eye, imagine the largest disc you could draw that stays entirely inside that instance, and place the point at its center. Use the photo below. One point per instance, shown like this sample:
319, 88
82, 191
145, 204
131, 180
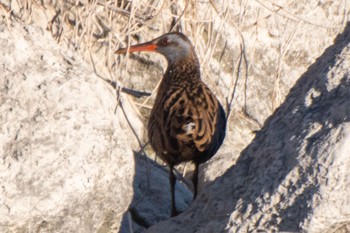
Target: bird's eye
164, 41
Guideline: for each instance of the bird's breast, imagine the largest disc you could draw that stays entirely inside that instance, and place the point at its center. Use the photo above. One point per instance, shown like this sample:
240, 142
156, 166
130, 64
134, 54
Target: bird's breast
183, 123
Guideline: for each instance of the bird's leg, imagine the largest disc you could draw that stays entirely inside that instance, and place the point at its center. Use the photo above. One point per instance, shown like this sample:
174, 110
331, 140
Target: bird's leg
172, 180
195, 180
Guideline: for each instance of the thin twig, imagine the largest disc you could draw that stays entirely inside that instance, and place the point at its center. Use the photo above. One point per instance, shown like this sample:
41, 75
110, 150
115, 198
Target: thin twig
292, 16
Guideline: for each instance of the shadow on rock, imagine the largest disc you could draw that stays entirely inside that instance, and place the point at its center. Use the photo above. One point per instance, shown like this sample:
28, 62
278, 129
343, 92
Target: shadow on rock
277, 176
151, 201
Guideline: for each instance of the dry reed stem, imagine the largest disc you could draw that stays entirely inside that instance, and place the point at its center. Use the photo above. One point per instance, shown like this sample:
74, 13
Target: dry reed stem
277, 96
292, 16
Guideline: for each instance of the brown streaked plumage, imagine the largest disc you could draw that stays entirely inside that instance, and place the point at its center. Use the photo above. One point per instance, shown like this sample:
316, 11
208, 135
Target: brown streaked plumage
187, 122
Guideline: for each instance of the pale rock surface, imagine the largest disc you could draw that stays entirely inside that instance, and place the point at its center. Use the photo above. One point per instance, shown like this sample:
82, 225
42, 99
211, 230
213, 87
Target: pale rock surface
294, 176
65, 163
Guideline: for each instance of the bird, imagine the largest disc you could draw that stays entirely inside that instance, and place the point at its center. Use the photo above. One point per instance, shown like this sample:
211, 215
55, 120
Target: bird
187, 121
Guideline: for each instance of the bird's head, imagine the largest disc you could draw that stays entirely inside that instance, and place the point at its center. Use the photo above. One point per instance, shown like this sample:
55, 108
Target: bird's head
174, 46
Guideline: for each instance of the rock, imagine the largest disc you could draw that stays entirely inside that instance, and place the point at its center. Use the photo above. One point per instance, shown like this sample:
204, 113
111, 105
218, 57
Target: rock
66, 164
294, 176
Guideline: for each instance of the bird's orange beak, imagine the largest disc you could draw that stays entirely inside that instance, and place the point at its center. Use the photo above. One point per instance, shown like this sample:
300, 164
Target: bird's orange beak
148, 46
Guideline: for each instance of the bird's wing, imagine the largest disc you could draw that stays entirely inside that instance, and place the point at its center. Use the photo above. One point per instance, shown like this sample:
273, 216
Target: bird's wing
192, 118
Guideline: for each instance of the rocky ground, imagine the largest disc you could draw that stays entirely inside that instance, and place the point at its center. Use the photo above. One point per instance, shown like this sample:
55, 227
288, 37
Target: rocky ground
72, 142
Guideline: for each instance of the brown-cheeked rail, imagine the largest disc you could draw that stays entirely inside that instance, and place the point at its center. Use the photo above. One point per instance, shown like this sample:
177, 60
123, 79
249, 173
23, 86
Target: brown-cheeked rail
187, 122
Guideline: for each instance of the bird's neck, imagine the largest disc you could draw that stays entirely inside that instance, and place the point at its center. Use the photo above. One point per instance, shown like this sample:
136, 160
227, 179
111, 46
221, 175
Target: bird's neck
184, 70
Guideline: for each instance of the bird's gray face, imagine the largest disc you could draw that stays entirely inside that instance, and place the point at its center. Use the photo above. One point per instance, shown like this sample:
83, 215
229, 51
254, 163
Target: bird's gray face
173, 46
